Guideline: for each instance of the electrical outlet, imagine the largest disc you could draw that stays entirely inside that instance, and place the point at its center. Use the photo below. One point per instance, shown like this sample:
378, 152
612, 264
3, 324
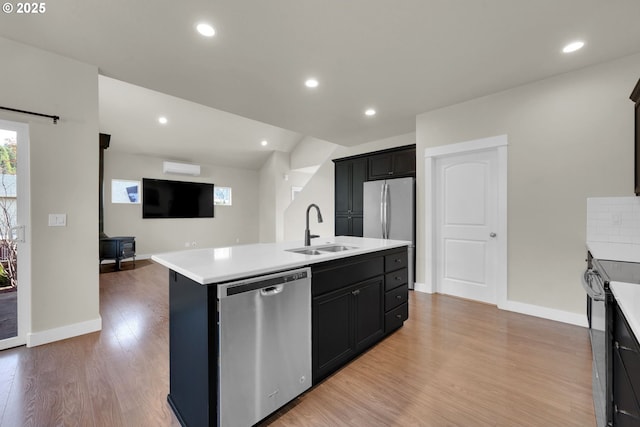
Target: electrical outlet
187, 244
194, 244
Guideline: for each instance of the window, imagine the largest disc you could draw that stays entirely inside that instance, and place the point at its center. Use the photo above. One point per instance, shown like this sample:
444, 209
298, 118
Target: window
222, 196
125, 191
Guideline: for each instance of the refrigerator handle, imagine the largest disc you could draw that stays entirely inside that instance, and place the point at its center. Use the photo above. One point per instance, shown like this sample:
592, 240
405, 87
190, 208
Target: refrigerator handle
382, 208
386, 211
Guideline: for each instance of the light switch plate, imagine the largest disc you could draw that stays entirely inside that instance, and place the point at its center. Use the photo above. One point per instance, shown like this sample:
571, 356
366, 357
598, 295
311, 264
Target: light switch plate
57, 220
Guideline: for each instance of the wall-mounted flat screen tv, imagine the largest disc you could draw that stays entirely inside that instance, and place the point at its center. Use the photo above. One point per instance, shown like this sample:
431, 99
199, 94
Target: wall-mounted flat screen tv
176, 199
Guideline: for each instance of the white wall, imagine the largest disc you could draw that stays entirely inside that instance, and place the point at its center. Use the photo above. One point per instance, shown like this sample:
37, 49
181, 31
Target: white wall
231, 224
64, 179
570, 137
310, 153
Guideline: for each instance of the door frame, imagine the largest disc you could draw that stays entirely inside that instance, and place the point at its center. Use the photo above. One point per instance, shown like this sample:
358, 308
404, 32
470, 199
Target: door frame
498, 143
23, 193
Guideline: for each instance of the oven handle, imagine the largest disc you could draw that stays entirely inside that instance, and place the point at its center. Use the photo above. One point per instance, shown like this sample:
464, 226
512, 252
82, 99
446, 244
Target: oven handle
587, 283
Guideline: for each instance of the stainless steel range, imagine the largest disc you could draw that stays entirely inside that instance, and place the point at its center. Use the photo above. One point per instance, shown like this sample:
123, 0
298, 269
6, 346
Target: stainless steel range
596, 280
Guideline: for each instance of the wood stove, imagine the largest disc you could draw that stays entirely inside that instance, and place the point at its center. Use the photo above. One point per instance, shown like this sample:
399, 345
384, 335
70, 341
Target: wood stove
117, 248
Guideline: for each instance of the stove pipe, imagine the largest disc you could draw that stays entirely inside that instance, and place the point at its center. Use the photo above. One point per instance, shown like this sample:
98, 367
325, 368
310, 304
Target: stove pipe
104, 144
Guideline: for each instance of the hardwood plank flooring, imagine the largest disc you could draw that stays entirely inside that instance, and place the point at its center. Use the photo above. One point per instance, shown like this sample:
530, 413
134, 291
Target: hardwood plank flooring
454, 363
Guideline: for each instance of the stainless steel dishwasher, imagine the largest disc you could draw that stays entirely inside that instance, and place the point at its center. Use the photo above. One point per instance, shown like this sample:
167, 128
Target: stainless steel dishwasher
265, 345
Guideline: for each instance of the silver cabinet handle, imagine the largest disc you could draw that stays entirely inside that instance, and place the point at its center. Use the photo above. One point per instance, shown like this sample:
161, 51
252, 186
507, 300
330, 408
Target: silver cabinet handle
492, 234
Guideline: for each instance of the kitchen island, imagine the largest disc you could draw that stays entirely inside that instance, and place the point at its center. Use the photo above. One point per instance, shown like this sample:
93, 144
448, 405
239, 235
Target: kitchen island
358, 295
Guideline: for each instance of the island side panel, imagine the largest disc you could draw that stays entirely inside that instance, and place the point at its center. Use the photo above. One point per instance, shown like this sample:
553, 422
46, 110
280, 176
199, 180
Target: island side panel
193, 344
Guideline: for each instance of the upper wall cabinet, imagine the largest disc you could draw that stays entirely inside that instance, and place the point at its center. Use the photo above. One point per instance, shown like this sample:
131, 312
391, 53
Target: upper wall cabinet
393, 164
352, 172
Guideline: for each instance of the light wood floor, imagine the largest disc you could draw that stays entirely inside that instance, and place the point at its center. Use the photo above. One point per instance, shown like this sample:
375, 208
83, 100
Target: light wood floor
454, 363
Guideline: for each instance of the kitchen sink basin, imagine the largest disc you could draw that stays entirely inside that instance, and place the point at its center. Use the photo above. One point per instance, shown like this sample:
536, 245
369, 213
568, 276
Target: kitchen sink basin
305, 251
335, 248
319, 250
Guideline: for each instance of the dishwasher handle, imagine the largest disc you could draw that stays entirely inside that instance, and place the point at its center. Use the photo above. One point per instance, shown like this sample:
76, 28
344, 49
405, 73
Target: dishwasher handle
270, 284
271, 290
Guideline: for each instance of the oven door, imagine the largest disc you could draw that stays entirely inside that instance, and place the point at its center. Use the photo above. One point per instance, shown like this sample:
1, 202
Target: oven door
596, 314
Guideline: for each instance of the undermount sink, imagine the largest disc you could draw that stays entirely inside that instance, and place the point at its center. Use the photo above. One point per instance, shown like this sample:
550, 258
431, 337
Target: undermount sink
319, 250
306, 251
336, 248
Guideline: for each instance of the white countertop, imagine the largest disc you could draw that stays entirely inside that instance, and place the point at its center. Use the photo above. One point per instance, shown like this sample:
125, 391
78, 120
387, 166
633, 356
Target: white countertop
214, 265
628, 298
615, 251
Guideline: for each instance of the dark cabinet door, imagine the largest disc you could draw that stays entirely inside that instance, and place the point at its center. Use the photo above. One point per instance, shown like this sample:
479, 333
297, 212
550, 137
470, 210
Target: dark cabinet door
348, 225
380, 166
404, 163
332, 332
357, 225
358, 177
350, 176
345, 322
368, 312
342, 225
342, 184
394, 164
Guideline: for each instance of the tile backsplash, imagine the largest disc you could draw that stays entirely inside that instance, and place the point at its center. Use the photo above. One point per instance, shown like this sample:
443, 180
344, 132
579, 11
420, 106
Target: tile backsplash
613, 219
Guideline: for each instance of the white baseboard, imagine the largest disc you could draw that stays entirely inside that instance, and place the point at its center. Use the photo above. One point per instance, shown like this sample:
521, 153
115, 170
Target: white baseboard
546, 313
63, 332
422, 287
528, 309
138, 258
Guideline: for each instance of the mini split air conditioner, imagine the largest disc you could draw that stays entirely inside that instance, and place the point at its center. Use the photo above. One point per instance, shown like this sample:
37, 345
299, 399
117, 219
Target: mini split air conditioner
181, 168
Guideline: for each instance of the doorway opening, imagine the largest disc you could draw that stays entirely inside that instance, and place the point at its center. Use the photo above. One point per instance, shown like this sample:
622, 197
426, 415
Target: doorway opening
14, 215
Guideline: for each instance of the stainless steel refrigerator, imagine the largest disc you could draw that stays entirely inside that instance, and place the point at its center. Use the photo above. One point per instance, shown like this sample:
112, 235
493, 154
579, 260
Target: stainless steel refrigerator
389, 213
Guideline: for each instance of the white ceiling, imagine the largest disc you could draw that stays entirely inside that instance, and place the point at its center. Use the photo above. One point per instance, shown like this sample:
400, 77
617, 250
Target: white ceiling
194, 133
401, 57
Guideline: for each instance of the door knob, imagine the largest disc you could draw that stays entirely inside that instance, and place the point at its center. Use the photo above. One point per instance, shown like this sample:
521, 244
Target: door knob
492, 234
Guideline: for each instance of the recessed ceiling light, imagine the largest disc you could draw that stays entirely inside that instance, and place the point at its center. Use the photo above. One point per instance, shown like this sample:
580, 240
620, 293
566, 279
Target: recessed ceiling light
263, 142
573, 46
205, 29
162, 120
311, 83
370, 112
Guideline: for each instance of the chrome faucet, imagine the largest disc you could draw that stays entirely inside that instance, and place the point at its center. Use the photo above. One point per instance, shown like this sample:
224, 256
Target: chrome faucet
307, 233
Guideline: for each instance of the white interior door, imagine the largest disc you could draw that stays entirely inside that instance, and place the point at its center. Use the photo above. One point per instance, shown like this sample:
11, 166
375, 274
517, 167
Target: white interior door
14, 243
466, 225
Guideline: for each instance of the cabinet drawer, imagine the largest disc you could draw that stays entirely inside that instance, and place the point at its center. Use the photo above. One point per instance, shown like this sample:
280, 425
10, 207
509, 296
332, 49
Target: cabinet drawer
397, 296
395, 261
396, 317
394, 279
327, 278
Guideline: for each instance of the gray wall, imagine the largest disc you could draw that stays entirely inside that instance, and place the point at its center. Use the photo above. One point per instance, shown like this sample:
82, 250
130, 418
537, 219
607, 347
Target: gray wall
64, 179
570, 137
231, 224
